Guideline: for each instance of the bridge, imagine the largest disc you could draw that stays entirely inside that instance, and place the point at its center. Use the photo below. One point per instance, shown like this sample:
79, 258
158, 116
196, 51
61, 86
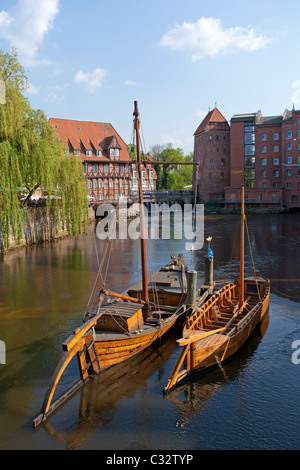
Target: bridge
150, 197
180, 196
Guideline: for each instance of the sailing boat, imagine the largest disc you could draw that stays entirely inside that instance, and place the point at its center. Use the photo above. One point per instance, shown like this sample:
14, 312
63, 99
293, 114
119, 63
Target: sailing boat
223, 324
122, 325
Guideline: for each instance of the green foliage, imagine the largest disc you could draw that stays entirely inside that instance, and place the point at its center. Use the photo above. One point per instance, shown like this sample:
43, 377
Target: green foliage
170, 176
31, 157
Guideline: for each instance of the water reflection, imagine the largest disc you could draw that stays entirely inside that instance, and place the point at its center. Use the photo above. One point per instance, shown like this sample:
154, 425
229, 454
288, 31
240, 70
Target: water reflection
193, 396
44, 291
98, 402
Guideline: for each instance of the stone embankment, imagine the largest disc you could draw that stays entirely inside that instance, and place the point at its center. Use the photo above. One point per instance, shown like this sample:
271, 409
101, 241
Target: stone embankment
38, 227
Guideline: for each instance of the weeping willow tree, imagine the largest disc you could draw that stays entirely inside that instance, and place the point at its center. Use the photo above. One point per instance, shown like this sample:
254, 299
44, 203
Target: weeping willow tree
32, 157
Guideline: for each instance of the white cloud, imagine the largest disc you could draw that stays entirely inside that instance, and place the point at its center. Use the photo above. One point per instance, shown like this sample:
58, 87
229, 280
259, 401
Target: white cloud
93, 80
179, 138
26, 24
33, 89
296, 93
130, 83
207, 37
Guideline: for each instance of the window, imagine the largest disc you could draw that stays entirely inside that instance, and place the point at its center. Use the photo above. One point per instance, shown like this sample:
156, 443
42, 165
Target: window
264, 174
232, 197
263, 162
250, 138
275, 161
275, 148
95, 168
122, 169
250, 162
134, 174
264, 149
289, 146
77, 152
298, 132
110, 184
274, 197
100, 197
294, 198
223, 162
289, 173
143, 174
298, 160
259, 197
210, 175
99, 153
100, 184
276, 173
264, 137
299, 146
121, 184
249, 149
289, 160
276, 136
298, 185
95, 184
289, 134
289, 185
275, 185
89, 184
264, 185
212, 161
88, 153
222, 176
114, 152
116, 196
105, 168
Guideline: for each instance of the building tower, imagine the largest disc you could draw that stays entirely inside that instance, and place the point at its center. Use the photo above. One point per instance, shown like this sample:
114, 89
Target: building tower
212, 153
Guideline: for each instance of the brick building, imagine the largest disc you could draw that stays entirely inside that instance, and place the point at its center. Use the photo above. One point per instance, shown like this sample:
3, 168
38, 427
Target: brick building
264, 156
211, 152
100, 147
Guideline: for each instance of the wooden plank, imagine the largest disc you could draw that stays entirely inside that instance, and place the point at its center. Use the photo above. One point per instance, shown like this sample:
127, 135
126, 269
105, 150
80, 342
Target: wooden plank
191, 338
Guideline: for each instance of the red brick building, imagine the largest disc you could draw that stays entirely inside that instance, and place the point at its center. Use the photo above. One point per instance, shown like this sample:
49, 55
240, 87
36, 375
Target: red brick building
211, 152
264, 156
100, 147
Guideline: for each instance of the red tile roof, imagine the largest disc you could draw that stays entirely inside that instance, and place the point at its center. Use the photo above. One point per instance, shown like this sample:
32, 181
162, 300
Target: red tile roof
87, 135
212, 116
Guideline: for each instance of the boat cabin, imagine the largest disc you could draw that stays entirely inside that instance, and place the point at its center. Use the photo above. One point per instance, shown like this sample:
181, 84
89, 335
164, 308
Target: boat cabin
121, 316
254, 285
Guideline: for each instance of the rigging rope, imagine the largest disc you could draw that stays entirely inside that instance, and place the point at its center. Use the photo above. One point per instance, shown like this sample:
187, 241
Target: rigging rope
252, 261
284, 295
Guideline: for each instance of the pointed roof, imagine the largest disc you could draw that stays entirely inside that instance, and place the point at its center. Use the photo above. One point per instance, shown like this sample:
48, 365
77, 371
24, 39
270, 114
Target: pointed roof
91, 135
212, 116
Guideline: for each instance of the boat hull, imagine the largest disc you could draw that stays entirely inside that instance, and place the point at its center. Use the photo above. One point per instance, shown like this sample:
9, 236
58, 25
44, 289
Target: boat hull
113, 351
208, 356
219, 329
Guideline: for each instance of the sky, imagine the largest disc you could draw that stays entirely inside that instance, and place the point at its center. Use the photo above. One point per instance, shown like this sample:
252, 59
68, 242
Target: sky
90, 60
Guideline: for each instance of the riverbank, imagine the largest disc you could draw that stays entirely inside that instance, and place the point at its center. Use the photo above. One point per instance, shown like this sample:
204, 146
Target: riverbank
215, 208
38, 227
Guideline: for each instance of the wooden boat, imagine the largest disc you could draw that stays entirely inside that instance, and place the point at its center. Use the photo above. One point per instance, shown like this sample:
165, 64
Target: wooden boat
223, 324
120, 326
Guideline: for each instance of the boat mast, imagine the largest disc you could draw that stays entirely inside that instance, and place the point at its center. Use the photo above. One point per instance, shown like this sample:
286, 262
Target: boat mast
143, 245
242, 250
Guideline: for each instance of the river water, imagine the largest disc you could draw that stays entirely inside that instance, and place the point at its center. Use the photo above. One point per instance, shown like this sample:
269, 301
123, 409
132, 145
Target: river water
251, 402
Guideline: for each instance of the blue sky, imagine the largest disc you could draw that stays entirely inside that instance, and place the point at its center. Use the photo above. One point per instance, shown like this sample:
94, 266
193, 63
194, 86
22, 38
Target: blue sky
89, 60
